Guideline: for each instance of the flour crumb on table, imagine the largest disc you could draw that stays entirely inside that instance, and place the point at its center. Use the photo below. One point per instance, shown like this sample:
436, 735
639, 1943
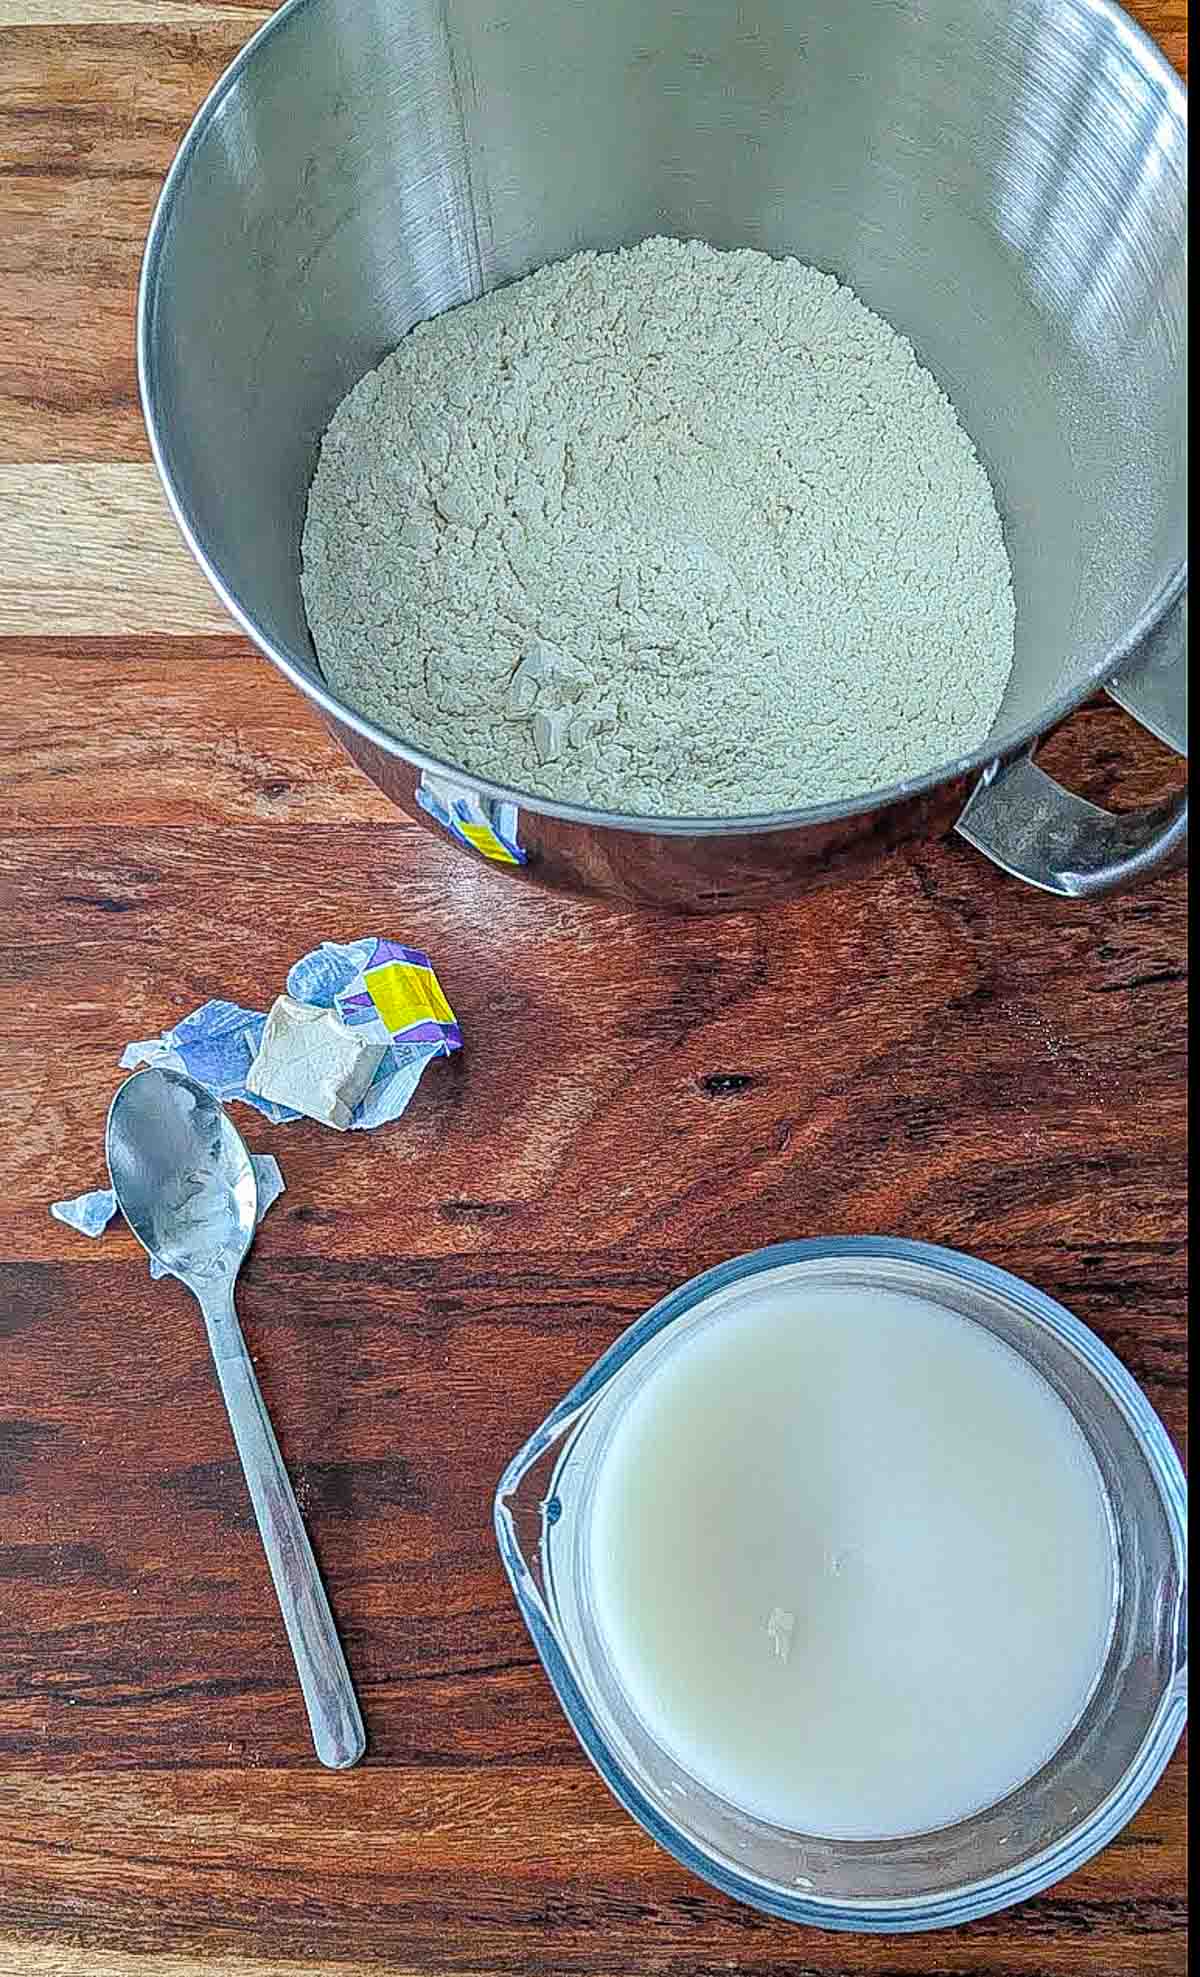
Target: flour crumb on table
670, 530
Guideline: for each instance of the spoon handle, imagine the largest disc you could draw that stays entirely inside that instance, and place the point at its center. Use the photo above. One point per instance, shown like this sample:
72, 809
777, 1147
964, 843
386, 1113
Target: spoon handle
333, 1712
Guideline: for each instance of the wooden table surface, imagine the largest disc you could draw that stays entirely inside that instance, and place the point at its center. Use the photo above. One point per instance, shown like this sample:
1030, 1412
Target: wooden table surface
938, 1054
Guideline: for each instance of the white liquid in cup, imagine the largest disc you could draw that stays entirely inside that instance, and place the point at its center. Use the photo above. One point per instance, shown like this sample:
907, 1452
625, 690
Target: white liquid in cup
852, 1562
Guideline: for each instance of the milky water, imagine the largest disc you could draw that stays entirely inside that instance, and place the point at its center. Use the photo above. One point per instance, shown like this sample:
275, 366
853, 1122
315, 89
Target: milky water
852, 1562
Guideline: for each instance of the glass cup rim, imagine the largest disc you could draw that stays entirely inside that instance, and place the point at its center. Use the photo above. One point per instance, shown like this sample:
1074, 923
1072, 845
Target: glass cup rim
882, 1914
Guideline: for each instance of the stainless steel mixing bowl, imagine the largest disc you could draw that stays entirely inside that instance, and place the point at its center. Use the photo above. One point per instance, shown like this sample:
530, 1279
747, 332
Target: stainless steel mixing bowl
1004, 180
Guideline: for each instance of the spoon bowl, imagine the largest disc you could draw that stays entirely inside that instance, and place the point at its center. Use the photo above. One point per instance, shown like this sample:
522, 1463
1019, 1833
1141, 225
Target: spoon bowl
182, 1175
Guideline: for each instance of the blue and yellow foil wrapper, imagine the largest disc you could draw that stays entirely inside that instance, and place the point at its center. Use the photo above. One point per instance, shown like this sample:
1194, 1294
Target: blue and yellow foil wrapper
380, 984
485, 826
389, 988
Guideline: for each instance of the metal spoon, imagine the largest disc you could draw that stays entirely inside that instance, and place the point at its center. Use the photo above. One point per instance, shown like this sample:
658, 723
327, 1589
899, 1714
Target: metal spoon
184, 1183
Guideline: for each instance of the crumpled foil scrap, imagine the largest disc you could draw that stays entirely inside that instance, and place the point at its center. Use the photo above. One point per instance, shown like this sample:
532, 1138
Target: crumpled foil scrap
381, 986
384, 990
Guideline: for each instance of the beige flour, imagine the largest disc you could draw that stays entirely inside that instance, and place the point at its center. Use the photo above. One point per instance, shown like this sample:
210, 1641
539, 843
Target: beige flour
667, 531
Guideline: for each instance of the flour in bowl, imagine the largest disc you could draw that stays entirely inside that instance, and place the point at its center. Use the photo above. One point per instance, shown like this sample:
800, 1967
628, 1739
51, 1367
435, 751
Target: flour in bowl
670, 531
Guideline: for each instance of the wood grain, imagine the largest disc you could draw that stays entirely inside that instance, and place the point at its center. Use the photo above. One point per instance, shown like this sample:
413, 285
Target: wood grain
1017, 1091
95, 550
939, 1053
85, 750
133, 13
90, 116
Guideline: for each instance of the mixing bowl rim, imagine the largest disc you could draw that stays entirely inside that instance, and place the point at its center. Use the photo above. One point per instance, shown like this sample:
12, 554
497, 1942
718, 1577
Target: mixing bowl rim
877, 1916
1142, 50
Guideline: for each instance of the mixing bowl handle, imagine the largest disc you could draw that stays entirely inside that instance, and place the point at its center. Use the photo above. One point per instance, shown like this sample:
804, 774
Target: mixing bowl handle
1028, 824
